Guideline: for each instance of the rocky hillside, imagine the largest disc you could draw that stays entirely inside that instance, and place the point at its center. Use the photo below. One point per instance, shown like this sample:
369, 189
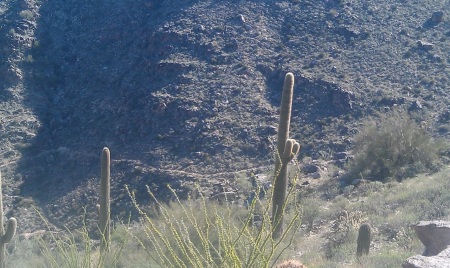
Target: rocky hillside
188, 91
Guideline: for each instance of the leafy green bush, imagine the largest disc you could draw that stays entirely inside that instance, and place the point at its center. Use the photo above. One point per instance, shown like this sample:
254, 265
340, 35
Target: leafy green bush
392, 146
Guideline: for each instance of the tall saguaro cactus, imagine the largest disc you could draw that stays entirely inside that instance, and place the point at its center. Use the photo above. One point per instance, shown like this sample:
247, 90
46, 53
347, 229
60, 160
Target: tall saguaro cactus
5, 237
286, 151
285, 117
105, 211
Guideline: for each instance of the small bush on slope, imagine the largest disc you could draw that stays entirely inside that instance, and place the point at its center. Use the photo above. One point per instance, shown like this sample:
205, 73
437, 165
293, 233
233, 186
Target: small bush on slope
392, 146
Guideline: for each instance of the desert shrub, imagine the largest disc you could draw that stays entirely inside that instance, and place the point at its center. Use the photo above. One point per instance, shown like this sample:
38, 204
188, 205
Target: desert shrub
204, 233
310, 213
344, 231
76, 249
392, 145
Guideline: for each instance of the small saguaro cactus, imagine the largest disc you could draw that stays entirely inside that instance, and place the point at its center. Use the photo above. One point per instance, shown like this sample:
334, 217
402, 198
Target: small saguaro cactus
104, 210
5, 237
286, 151
364, 238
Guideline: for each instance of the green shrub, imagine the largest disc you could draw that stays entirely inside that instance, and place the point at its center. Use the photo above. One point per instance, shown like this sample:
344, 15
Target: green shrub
392, 145
204, 233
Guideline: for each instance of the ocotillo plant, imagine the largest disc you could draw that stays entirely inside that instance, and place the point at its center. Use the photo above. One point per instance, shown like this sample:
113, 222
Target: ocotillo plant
5, 237
105, 199
286, 150
364, 238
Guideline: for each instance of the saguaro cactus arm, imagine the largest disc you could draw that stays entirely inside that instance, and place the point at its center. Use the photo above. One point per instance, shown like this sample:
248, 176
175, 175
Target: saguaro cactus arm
290, 151
10, 231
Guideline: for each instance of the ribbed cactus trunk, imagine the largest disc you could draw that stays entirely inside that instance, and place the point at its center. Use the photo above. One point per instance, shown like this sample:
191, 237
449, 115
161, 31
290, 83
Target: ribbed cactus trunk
105, 199
281, 177
5, 237
364, 238
285, 117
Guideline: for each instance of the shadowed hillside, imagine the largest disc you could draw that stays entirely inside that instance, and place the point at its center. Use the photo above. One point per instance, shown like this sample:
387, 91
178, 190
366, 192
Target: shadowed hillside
187, 90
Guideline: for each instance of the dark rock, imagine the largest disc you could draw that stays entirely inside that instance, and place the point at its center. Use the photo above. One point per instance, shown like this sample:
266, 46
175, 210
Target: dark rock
241, 18
310, 168
199, 27
444, 116
427, 46
416, 105
350, 33
326, 98
271, 130
437, 17
338, 173
343, 99
390, 101
340, 156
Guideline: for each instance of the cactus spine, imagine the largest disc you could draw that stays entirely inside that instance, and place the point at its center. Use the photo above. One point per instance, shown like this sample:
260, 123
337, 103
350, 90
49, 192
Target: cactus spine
5, 237
364, 238
105, 199
286, 150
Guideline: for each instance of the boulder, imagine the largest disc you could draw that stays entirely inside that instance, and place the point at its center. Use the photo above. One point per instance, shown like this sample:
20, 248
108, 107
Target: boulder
310, 168
442, 260
437, 17
435, 235
340, 156
424, 45
315, 175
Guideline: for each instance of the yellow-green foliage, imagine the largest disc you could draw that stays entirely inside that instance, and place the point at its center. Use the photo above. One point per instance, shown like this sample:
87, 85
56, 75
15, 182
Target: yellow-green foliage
75, 249
329, 241
203, 233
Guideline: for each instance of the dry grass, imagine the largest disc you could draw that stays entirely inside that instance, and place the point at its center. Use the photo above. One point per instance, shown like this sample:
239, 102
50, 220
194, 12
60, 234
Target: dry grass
327, 237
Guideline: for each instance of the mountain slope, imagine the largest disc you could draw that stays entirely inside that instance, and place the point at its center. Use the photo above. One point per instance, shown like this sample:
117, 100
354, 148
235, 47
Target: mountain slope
188, 91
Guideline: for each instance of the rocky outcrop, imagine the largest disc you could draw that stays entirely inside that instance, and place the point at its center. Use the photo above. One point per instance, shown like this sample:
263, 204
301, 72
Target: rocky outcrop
442, 260
435, 235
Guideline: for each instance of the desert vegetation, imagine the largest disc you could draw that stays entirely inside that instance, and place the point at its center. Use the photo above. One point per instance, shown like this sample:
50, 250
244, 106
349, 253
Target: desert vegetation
189, 232
393, 146
201, 173
334, 224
